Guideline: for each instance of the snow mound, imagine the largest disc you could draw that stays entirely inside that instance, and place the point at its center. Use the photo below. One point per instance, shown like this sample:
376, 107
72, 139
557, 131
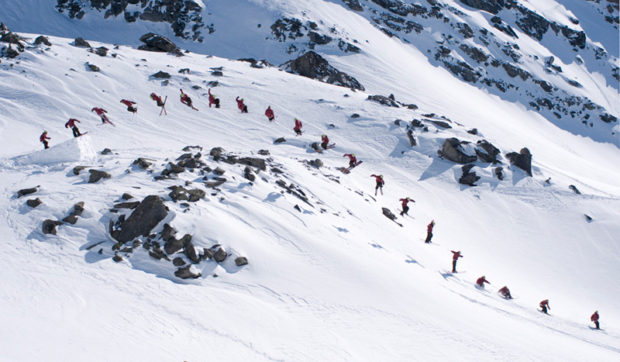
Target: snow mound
73, 150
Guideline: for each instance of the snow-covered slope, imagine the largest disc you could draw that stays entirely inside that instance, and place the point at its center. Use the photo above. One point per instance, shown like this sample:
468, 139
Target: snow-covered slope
332, 279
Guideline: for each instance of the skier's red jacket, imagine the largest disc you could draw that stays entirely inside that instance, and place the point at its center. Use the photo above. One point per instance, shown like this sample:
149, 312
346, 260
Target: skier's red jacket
429, 227
44, 137
185, 99
594, 317
99, 111
378, 179
127, 102
211, 98
155, 97
480, 281
351, 157
456, 255
297, 125
406, 200
269, 113
240, 104
71, 123
324, 139
545, 303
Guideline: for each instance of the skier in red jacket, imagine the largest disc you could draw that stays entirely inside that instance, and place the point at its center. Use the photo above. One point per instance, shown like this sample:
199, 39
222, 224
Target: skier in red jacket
505, 292
156, 98
71, 123
269, 113
242, 107
213, 100
185, 99
403, 203
480, 281
379, 182
297, 127
43, 138
544, 305
101, 113
352, 159
324, 141
594, 318
130, 105
429, 231
455, 256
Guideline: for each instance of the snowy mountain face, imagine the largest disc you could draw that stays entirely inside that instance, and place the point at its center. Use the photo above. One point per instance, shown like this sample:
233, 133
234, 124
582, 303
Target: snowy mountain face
539, 54
209, 233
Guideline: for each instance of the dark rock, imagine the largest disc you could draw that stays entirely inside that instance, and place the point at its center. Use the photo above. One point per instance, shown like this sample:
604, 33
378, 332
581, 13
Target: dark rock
249, 174
143, 219
80, 42
173, 245
216, 153
219, 171
468, 178
186, 273
492, 6
353, 5
441, 124
96, 175
254, 162
78, 169
499, 172
78, 208
42, 40
574, 189
157, 43
279, 140
71, 219
514, 71
588, 217
161, 75
93, 67
126, 196
117, 258
34, 202
316, 163
49, 226
106, 151
312, 65
178, 261
189, 148
453, 151
219, 254
263, 152
473, 131
608, 118
127, 205
195, 195
101, 51
142, 163
355, 115
241, 261
24, 192
386, 101
523, 160
217, 73
486, 151
190, 251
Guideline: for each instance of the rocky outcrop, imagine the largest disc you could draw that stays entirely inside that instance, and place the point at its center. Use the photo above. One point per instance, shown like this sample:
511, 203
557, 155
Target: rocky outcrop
522, 160
468, 178
72, 218
81, 43
142, 220
486, 152
157, 43
312, 65
49, 226
96, 175
453, 150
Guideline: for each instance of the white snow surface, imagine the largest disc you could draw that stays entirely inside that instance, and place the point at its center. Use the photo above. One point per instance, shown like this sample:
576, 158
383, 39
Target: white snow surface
333, 281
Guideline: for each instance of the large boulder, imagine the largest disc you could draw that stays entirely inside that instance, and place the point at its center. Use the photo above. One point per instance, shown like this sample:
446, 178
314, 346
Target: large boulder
522, 160
157, 43
49, 226
96, 175
314, 66
142, 220
454, 150
468, 178
486, 152
28, 191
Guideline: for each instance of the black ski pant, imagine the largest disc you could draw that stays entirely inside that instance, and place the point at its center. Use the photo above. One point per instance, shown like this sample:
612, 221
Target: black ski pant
454, 266
45, 145
429, 236
76, 131
544, 309
405, 210
597, 325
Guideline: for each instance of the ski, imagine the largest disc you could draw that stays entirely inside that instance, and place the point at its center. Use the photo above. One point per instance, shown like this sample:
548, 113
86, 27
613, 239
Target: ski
163, 107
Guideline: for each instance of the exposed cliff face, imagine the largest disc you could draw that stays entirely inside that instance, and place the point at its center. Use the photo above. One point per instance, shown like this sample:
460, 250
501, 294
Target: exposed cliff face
185, 16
